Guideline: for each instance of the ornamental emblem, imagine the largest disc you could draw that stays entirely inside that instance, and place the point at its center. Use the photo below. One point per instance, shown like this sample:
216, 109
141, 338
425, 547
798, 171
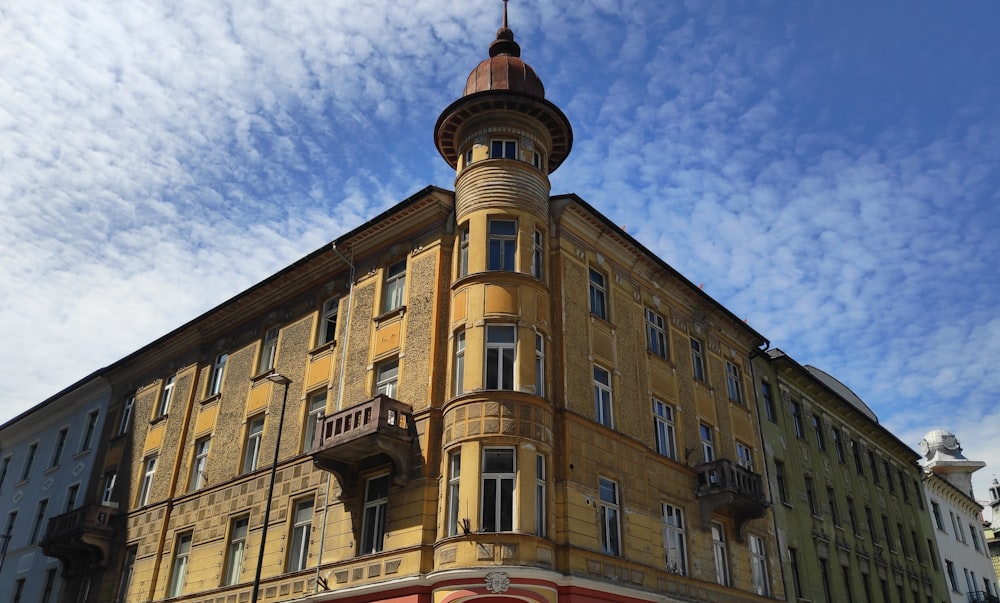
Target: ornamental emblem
497, 582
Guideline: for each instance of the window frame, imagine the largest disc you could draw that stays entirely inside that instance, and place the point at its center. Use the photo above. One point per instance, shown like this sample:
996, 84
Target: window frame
597, 284
394, 287
500, 358
795, 407
217, 374
507, 149
268, 350
674, 538
707, 438
37, 529
459, 362
656, 334
387, 378
454, 492
609, 496
503, 505
759, 577
236, 547
375, 506
603, 397
166, 396
463, 251
734, 383
128, 408
720, 555
179, 564
87, 441
315, 410
767, 394
698, 369
60, 448
744, 455
252, 440
664, 429
501, 244
541, 501
196, 480
538, 254
146, 483
328, 321
539, 365
300, 529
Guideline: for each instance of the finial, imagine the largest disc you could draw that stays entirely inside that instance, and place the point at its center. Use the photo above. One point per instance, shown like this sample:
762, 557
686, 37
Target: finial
505, 44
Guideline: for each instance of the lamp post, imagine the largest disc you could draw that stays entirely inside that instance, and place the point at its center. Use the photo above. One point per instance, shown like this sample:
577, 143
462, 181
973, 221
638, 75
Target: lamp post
282, 380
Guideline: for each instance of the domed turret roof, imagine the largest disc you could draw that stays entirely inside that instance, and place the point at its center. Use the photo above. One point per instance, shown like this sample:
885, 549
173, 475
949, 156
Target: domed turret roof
504, 70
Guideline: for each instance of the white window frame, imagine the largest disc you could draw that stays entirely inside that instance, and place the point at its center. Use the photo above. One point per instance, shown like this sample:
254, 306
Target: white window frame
197, 479
500, 357
537, 255
252, 442
541, 506
37, 532
656, 334
387, 378
707, 442
178, 570
218, 371
61, 438
539, 365
501, 245
698, 360
127, 409
394, 294
87, 442
720, 555
734, 383
664, 429
459, 363
744, 456
166, 396
268, 350
503, 148
598, 294
610, 517
603, 397
674, 539
495, 479
454, 483
108, 488
298, 540
314, 411
146, 485
128, 569
236, 548
463, 251
328, 321
376, 504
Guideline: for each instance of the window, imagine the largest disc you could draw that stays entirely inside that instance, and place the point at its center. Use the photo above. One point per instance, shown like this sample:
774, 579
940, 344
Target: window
697, 360
916, 546
29, 461
387, 378
4, 467
537, 255
824, 571
856, 453
88, 434
720, 555
18, 590
540, 364
811, 497
902, 485
108, 491
874, 467
165, 396
818, 429
663, 426
888, 476
501, 346
744, 456
952, 579
197, 479
501, 243
127, 410
503, 149
932, 554
178, 572
298, 552
838, 444
758, 566
598, 295
870, 521
454, 475
373, 518
656, 334
674, 539
128, 568
268, 350
498, 490
218, 369
314, 413
888, 533
975, 538
797, 418
36, 529
11, 520
767, 394
468, 157
779, 477
71, 494
541, 514
146, 485
845, 573
959, 536
733, 383
831, 500
460, 362
610, 525
463, 252
235, 550
328, 320
395, 283
707, 443
60, 446
251, 447
602, 397
793, 563
902, 539
851, 515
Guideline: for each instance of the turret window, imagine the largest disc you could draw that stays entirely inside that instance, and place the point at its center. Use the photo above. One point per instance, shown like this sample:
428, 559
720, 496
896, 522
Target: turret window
395, 284
501, 346
502, 244
503, 149
498, 490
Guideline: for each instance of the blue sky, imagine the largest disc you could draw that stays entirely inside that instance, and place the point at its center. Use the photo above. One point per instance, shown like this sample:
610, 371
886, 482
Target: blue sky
827, 170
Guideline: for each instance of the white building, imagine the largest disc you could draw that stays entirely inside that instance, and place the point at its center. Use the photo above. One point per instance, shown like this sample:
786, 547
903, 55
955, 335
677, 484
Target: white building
957, 517
47, 459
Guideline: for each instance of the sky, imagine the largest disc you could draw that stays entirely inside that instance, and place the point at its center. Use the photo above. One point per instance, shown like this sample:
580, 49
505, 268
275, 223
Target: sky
827, 170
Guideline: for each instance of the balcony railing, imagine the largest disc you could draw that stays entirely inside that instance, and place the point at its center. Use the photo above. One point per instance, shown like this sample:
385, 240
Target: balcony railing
726, 486
362, 436
980, 596
82, 537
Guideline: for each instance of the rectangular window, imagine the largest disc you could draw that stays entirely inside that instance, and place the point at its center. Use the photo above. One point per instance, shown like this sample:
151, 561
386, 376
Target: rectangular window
4, 467
11, 520
165, 397
916, 546
460, 362
856, 453
128, 568
598, 295
610, 523
18, 590
503, 149
838, 444
541, 513
793, 563
887, 532
387, 378
146, 485
707, 443
71, 494
656, 334
932, 554
663, 426
818, 430
501, 243
697, 360
538, 255
498, 490
235, 550
824, 572
779, 477
811, 497
758, 566
108, 490
314, 413
501, 348
952, 579
767, 394
454, 476
845, 573
734, 384
852, 516
178, 573
540, 365
196, 481
215, 379
720, 554
831, 500
674, 539
797, 418
127, 410
874, 467
268, 350
328, 320
916, 492
91, 429
373, 517
29, 461
395, 284
251, 447
298, 551
744, 456
60, 446
902, 539
975, 538
463, 252
602, 397
888, 476
36, 529
870, 521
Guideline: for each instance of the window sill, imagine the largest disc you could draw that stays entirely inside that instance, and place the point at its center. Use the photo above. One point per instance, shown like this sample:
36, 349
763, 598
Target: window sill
595, 318
210, 399
158, 419
323, 347
52, 469
387, 316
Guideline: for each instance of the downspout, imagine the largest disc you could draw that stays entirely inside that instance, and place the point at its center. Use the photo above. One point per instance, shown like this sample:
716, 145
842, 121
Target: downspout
340, 395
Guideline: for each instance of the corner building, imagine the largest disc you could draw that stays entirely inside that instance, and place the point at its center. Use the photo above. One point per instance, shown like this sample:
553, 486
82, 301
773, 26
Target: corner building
493, 394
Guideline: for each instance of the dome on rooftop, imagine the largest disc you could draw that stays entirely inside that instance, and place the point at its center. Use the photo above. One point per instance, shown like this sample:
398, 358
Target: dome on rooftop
941, 441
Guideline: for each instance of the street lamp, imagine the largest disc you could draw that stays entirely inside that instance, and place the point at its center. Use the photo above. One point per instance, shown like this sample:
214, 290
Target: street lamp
281, 380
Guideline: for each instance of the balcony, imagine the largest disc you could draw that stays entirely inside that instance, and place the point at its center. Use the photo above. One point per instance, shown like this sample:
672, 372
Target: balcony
724, 485
364, 436
81, 538
979, 596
